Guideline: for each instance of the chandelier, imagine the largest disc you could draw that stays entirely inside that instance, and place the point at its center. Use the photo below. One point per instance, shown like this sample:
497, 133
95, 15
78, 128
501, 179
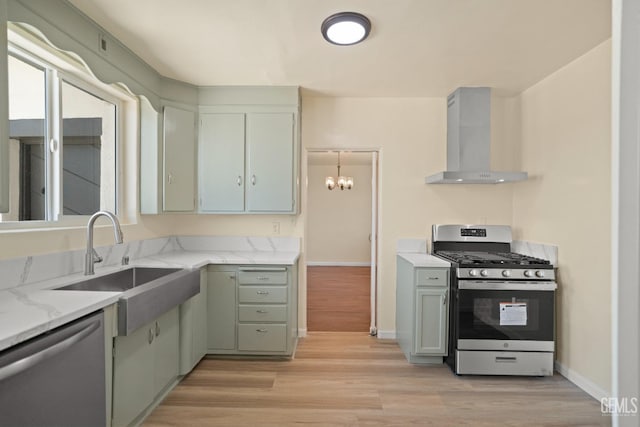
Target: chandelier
342, 182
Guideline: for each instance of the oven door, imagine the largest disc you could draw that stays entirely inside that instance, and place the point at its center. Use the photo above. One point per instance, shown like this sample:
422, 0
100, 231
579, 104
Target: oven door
496, 315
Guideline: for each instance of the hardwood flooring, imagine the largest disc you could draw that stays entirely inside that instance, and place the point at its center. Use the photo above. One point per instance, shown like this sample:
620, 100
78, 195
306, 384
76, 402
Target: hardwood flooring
338, 299
352, 379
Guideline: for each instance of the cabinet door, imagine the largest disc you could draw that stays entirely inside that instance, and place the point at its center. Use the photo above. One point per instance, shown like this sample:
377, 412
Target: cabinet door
221, 159
270, 162
166, 349
133, 372
431, 321
179, 160
200, 320
221, 310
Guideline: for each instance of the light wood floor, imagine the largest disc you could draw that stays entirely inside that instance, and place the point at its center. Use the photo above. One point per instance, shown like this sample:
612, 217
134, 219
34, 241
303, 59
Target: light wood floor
338, 299
352, 379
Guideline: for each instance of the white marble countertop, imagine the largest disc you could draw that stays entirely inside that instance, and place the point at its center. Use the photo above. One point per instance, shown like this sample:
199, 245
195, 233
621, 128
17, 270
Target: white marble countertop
29, 310
423, 260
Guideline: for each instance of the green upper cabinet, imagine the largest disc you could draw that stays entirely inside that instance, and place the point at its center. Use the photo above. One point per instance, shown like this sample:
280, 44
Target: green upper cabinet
247, 162
179, 160
248, 150
270, 171
221, 158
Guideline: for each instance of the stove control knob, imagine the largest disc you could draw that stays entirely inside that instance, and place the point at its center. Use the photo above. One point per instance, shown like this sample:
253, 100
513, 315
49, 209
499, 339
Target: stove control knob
484, 273
540, 273
506, 273
473, 273
528, 273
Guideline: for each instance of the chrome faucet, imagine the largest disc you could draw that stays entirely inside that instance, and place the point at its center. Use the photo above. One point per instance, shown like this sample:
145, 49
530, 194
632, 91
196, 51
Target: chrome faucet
92, 256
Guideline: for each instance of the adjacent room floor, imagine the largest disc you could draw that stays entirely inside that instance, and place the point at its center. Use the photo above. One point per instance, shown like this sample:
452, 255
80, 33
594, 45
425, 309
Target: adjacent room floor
338, 299
353, 379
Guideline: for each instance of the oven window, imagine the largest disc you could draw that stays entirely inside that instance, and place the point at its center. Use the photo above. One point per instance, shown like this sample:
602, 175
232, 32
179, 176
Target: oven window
505, 315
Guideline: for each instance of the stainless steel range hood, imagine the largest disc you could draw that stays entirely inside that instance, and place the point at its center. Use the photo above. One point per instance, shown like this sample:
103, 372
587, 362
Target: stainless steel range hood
468, 141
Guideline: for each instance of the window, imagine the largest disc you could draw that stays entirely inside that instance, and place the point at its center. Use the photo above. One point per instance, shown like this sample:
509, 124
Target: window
63, 143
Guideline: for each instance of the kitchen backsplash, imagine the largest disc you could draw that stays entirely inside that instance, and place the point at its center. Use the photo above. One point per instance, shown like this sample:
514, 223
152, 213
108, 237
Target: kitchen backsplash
538, 250
32, 269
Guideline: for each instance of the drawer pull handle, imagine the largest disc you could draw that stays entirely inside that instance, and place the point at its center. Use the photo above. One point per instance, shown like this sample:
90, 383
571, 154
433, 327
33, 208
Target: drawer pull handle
263, 278
157, 329
432, 278
151, 335
262, 331
506, 359
262, 292
262, 311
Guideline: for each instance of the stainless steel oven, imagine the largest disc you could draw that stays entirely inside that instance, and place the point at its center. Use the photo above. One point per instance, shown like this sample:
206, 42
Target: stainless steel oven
502, 306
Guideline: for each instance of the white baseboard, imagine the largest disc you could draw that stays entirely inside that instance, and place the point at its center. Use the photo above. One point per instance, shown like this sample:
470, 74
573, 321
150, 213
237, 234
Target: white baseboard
337, 264
586, 385
386, 335
302, 333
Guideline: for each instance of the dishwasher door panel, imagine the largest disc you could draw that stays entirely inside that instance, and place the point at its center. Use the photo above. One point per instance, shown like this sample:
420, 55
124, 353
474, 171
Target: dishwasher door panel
56, 379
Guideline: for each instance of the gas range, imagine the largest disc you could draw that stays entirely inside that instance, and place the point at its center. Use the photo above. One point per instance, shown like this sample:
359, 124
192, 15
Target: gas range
502, 305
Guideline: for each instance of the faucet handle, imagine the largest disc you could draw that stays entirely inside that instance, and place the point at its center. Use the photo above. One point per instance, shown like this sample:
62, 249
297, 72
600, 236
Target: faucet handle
96, 258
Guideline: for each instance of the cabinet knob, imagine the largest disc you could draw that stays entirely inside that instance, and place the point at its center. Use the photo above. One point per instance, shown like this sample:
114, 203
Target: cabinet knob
239, 181
170, 178
157, 329
151, 335
253, 180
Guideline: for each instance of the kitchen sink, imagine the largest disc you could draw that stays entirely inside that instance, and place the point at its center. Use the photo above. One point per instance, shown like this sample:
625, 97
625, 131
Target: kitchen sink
120, 281
147, 293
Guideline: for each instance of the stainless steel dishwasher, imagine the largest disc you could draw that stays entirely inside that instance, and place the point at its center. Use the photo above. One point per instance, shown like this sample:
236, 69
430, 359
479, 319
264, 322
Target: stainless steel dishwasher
56, 379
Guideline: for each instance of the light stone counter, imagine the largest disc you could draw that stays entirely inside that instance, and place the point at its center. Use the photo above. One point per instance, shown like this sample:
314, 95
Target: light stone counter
415, 252
29, 306
424, 260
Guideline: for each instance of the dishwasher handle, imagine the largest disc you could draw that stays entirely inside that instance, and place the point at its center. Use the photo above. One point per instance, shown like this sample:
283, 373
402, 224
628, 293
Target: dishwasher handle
30, 361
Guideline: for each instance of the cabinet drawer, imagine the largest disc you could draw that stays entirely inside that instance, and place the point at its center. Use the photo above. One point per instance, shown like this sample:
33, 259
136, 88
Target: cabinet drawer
262, 277
262, 313
431, 277
261, 337
260, 294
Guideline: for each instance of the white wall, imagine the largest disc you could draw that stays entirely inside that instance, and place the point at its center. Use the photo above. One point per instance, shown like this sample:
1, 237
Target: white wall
566, 147
339, 222
411, 136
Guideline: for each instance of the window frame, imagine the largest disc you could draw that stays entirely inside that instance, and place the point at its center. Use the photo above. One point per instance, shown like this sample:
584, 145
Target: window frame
58, 67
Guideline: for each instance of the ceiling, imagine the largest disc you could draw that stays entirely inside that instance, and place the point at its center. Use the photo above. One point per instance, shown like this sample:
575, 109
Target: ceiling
416, 47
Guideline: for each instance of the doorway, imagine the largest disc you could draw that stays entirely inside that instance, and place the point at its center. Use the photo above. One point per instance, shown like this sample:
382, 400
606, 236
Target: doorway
342, 242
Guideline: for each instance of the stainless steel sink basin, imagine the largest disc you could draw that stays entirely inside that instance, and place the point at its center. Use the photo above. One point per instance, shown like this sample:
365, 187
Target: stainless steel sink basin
120, 281
147, 293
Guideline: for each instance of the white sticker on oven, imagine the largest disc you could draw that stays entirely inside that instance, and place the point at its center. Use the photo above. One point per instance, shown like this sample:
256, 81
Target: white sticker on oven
513, 314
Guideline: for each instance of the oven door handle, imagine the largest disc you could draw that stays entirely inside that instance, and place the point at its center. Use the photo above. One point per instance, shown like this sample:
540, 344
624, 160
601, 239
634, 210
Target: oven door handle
484, 285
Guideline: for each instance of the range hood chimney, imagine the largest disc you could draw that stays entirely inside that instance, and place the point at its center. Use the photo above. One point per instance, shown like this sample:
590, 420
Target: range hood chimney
468, 141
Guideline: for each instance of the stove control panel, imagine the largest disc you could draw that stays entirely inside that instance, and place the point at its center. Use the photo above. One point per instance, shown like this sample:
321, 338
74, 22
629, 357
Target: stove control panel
510, 273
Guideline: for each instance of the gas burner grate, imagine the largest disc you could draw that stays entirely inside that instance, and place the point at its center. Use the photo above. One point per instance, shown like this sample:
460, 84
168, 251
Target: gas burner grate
493, 258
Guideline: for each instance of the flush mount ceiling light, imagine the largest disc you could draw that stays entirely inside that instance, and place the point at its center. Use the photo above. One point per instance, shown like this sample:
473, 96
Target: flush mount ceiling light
346, 28
342, 182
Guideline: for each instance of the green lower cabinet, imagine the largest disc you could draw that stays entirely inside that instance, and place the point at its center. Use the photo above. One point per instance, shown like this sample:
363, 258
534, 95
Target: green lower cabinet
252, 310
221, 310
262, 337
145, 363
422, 312
431, 321
193, 327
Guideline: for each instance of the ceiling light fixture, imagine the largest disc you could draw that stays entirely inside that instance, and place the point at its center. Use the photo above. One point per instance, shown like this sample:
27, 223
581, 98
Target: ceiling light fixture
346, 28
342, 182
